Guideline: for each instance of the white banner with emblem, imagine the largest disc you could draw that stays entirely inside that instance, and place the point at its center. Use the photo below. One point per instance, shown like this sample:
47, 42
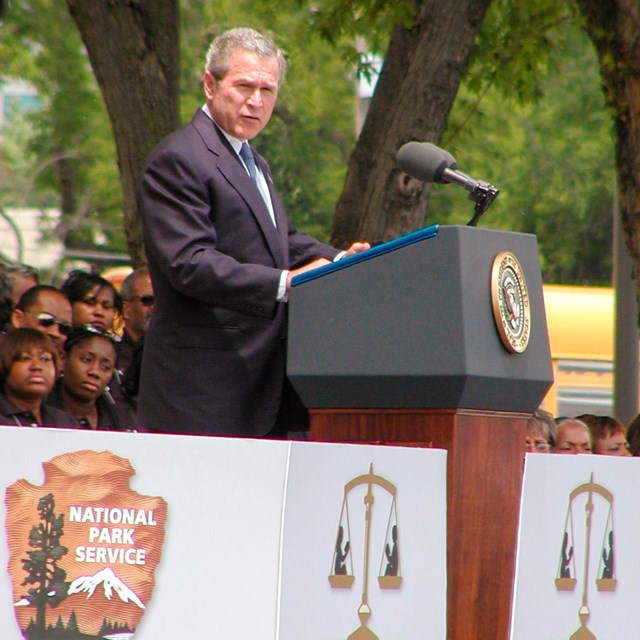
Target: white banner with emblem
578, 554
116, 535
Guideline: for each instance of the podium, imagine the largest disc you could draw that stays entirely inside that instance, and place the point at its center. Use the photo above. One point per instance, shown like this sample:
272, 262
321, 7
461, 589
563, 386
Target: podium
438, 339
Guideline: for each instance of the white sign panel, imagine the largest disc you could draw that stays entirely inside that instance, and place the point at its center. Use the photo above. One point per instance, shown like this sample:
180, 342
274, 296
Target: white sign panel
577, 561
116, 535
364, 545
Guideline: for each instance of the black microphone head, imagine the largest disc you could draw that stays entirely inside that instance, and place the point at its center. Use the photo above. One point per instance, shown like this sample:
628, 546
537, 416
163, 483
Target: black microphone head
424, 161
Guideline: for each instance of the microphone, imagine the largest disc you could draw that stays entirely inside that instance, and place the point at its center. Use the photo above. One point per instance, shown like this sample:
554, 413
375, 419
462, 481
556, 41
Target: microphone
425, 161
429, 163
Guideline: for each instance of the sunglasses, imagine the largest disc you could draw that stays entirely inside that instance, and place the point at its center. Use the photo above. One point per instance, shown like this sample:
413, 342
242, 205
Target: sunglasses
147, 301
104, 333
88, 331
47, 320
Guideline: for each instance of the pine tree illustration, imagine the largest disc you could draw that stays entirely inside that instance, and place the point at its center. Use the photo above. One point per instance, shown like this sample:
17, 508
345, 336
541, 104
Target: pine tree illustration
41, 565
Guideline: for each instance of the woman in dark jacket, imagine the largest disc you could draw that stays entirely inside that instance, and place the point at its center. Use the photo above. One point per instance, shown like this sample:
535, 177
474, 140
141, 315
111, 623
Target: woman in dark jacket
29, 368
83, 388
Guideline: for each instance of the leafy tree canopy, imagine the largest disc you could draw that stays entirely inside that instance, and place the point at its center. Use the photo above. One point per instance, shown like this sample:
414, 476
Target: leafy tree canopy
552, 159
529, 118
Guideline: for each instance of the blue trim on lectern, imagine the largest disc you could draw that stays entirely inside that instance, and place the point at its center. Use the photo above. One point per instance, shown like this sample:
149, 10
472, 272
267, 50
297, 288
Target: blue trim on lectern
378, 250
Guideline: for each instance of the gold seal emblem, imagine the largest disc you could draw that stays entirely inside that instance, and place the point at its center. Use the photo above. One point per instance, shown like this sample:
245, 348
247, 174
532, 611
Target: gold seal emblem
510, 300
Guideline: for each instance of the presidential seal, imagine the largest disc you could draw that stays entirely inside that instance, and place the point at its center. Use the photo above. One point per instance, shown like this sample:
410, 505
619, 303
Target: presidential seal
510, 300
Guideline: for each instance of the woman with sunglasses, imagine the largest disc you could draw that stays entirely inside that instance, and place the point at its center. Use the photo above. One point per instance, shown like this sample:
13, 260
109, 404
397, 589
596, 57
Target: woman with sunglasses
28, 370
94, 300
83, 387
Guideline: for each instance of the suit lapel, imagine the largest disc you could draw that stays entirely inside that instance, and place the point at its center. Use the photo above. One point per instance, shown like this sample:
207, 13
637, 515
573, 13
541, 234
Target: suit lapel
231, 167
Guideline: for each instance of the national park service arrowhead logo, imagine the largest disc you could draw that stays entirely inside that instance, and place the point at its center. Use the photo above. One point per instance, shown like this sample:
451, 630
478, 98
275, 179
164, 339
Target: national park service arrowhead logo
83, 549
510, 301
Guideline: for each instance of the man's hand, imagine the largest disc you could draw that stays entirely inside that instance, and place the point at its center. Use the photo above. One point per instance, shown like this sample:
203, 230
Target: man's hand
356, 247
318, 262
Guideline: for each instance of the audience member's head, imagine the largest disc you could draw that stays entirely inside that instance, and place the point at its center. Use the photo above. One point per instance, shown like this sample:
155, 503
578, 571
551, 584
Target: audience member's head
28, 364
540, 432
94, 300
572, 436
45, 308
609, 435
633, 436
136, 292
90, 363
20, 277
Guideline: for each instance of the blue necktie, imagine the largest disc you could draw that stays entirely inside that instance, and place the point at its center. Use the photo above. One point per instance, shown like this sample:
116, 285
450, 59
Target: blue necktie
247, 155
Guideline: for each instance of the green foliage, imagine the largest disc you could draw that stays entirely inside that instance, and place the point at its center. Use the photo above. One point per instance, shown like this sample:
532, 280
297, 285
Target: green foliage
518, 47
21, 167
67, 145
552, 159
530, 119
347, 24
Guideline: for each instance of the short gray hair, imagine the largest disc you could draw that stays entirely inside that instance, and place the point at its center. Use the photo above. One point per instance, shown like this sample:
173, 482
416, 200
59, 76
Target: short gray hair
574, 422
222, 47
15, 270
128, 284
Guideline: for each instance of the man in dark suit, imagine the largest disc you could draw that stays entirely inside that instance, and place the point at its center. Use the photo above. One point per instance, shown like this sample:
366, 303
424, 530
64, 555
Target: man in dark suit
221, 255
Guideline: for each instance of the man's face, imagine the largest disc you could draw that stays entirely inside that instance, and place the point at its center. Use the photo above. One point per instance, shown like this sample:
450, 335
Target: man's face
242, 102
51, 314
137, 311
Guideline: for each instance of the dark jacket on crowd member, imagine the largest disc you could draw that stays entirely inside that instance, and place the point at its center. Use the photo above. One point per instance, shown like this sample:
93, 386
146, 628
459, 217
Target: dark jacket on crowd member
10, 415
126, 380
111, 416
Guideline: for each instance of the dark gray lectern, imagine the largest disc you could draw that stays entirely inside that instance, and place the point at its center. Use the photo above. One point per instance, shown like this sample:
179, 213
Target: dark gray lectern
414, 327
405, 347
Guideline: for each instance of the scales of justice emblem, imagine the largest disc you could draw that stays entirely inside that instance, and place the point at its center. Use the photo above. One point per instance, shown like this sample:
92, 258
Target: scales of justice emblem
605, 580
342, 574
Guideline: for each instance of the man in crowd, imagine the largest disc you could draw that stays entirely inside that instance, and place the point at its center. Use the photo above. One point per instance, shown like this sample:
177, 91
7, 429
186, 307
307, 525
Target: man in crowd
136, 292
222, 254
45, 308
21, 278
15, 279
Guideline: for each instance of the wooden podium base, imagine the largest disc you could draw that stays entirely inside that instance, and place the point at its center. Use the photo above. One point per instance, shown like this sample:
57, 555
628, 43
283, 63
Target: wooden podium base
484, 480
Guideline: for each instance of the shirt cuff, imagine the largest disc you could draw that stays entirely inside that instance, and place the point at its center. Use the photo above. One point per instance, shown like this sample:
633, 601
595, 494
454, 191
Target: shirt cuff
282, 287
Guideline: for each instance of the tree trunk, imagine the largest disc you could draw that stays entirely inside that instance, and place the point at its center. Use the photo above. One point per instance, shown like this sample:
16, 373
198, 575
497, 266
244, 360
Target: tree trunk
133, 46
416, 89
613, 27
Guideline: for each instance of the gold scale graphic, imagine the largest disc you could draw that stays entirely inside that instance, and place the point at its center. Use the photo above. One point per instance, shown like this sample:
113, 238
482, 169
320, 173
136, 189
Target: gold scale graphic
605, 579
342, 576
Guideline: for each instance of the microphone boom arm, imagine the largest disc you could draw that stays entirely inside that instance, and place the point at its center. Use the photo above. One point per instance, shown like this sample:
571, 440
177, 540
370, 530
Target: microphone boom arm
427, 162
483, 194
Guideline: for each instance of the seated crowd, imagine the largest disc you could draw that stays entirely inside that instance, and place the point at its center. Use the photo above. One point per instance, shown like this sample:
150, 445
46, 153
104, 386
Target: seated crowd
70, 356
585, 433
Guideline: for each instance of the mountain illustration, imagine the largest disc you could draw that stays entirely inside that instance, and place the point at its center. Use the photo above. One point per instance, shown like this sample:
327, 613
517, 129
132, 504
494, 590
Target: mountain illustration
110, 583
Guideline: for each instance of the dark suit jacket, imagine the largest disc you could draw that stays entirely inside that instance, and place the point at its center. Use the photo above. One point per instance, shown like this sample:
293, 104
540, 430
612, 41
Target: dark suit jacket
214, 356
